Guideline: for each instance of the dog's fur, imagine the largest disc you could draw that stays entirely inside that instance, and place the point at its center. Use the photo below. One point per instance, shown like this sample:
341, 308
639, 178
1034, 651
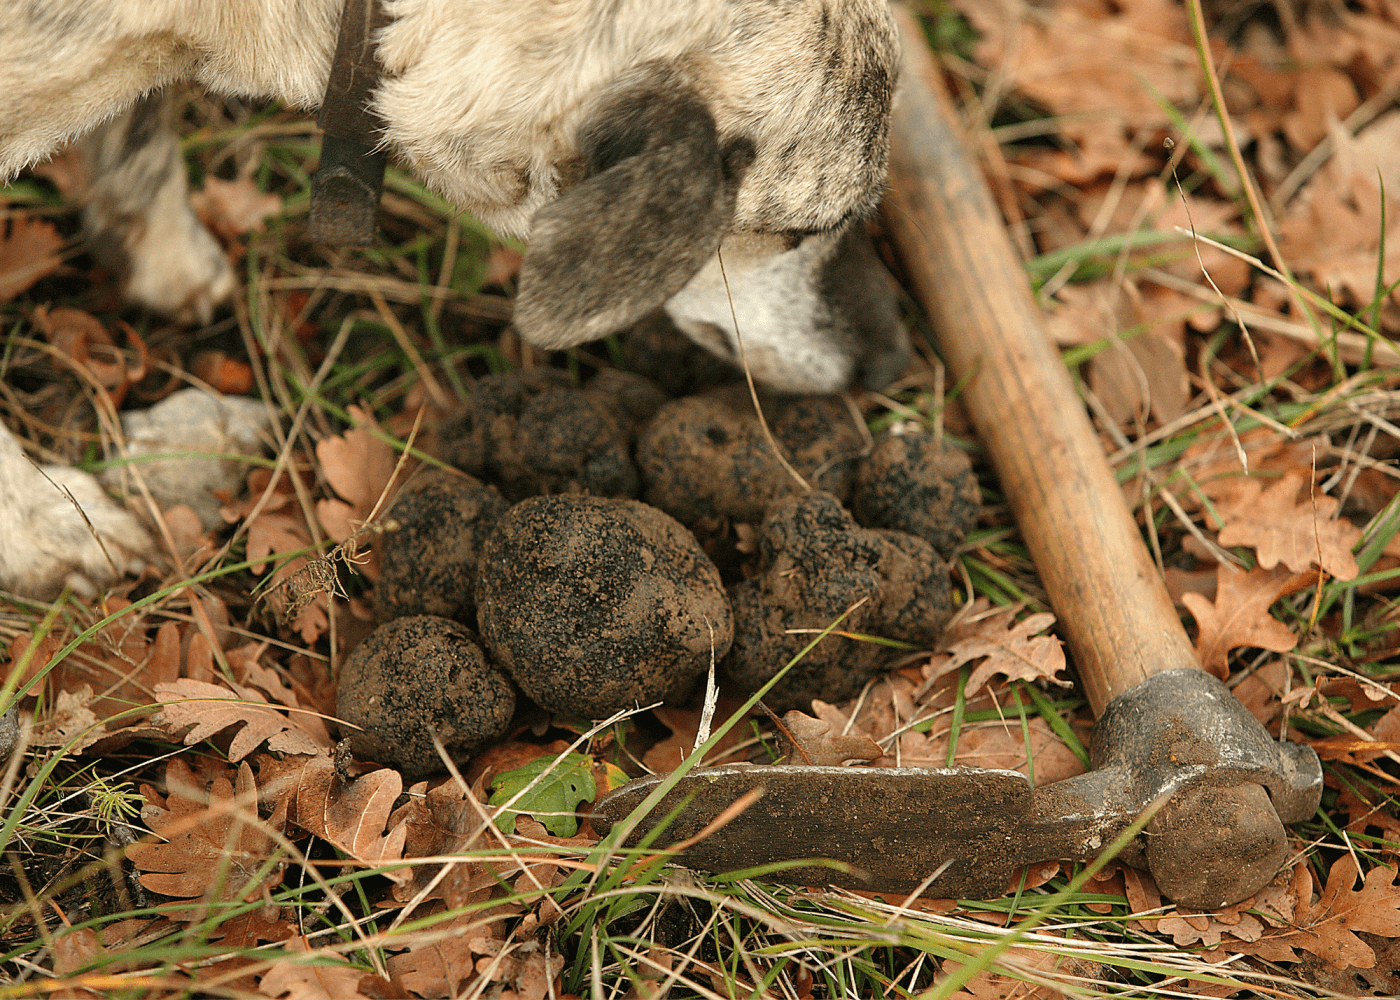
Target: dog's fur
59, 528
627, 140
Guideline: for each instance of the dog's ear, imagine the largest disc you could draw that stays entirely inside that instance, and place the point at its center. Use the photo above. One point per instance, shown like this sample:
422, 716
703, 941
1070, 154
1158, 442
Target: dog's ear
656, 198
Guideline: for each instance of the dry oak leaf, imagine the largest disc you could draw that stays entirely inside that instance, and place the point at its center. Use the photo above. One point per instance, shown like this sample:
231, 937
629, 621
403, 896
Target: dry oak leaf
666, 755
319, 976
1283, 530
247, 667
445, 963
1328, 927
1025, 974
352, 815
28, 252
359, 466
440, 822
815, 742
1365, 812
214, 841
1208, 928
86, 340
1004, 645
248, 930
1240, 615
210, 709
528, 972
234, 208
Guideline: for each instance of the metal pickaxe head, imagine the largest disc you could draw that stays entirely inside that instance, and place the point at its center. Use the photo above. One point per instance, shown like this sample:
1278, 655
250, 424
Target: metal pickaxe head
1180, 733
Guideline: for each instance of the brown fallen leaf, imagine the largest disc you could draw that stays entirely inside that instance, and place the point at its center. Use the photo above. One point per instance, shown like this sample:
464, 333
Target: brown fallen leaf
360, 468
249, 670
352, 815
87, 341
215, 845
445, 965
1328, 928
70, 722
666, 755
1209, 929
879, 713
210, 708
528, 972
1143, 370
1366, 809
28, 251
1103, 71
1212, 460
817, 743
1005, 646
277, 529
1239, 616
1284, 530
234, 208
322, 975
440, 822
1024, 974
248, 930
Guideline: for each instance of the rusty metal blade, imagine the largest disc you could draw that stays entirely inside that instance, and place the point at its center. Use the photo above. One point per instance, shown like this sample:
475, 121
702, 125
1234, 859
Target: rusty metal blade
896, 826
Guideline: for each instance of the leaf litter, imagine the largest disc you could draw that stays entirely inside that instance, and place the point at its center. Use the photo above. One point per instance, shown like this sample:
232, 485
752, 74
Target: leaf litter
1298, 617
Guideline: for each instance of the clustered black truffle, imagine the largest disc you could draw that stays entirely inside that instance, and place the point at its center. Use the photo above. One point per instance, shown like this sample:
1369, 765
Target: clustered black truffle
589, 601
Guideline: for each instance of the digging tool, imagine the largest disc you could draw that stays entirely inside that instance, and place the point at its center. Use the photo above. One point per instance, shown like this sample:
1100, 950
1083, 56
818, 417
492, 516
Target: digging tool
1166, 729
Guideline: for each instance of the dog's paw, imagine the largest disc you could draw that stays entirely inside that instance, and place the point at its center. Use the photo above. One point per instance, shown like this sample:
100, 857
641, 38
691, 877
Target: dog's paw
176, 267
47, 543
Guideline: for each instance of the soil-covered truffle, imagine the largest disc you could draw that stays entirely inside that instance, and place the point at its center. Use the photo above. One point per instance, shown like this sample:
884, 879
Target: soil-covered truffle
597, 605
707, 456
530, 432
817, 564
915, 598
656, 349
908, 483
429, 554
632, 399
417, 676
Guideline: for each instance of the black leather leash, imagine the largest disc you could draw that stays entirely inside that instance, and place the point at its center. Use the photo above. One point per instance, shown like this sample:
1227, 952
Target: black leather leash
345, 190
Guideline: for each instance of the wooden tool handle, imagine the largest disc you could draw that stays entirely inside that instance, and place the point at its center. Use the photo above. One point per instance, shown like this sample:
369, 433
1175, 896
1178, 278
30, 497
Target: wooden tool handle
1111, 601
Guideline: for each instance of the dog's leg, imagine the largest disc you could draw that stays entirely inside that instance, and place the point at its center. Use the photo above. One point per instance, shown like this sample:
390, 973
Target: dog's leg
138, 216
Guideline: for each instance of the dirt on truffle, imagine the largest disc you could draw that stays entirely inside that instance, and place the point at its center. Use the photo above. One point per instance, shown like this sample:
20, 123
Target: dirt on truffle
707, 456
818, 564
681, 367
419, 676
597, 605
631, 399
531, 433
909, 483
429, 552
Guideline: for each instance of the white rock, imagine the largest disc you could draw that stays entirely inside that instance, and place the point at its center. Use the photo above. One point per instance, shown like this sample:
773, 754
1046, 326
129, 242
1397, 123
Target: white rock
192, 420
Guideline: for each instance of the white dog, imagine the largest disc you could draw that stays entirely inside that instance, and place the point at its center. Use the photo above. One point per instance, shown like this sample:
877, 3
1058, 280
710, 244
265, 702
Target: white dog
626, 140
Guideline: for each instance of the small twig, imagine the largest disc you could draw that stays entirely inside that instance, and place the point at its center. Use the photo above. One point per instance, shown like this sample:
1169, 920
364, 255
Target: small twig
1256, 208
753, 392
401, 338
707, 714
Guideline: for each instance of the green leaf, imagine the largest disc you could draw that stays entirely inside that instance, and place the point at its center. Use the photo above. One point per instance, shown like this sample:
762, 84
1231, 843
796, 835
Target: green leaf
554, 797
617, 777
